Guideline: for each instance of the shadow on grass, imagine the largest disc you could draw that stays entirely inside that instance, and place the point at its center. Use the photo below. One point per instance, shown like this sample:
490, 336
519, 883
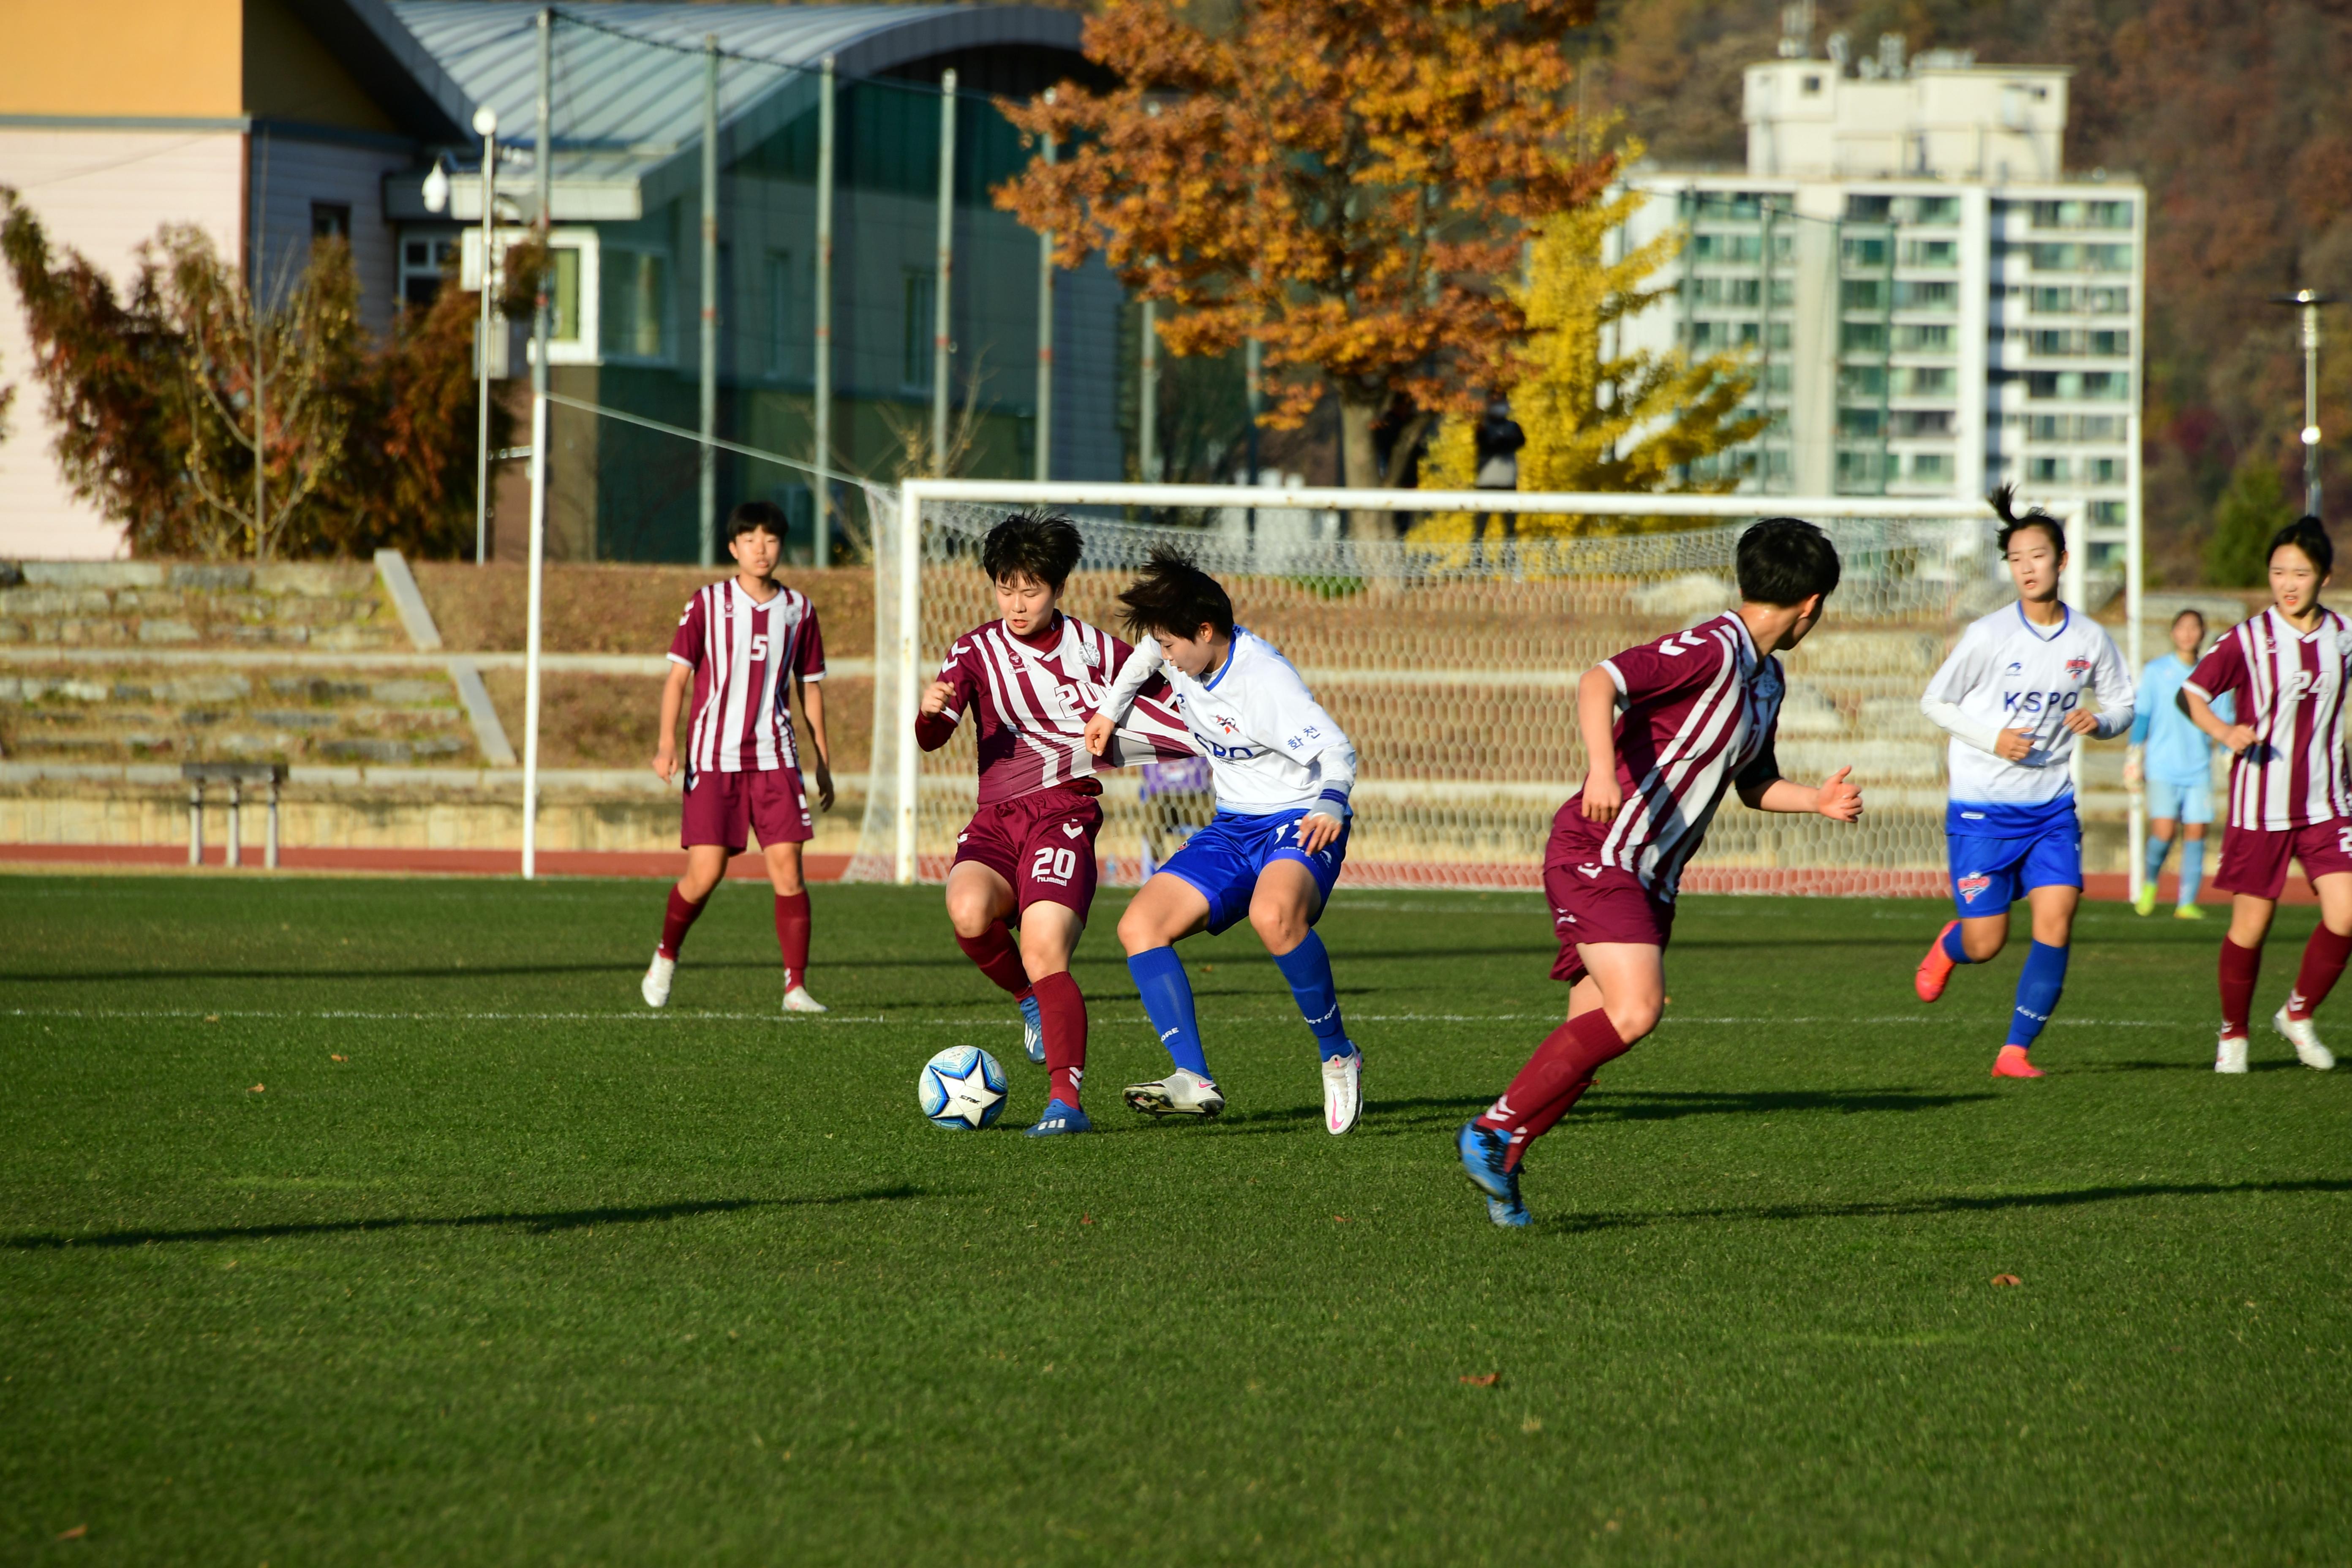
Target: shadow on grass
1577, 1225
1385, 1115
541, 1224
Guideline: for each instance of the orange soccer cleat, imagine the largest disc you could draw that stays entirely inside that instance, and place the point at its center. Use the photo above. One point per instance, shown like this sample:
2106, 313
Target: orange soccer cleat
2013, 1062
1936, 968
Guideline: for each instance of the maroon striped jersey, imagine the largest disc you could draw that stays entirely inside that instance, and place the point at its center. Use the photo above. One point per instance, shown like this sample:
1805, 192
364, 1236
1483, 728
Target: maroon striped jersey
2290, 688
1701, 709
1030, 699
743, 654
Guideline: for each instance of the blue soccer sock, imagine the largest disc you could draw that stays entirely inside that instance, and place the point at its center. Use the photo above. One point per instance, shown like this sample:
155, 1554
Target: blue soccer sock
1168, 998
2158, 848
1307, 967
2038, 989
2192, 869
1954, 949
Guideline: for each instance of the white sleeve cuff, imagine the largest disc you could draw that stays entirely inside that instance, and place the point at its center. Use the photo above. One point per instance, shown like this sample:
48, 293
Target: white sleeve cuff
681, 663
1615, 674
812, 679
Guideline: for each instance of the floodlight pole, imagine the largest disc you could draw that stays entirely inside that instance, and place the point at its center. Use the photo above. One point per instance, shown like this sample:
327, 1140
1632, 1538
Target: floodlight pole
486, 122
1147, 412
543, 158
943, 286
1045, 334
821, 551
2309, 300
706, 493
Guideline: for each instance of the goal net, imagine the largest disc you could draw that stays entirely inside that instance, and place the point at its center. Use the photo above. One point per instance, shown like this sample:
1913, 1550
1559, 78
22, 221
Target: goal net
1451, 656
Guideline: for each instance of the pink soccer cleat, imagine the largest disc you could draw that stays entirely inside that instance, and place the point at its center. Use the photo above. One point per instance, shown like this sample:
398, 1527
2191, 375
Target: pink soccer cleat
1936, 968
2013, 1062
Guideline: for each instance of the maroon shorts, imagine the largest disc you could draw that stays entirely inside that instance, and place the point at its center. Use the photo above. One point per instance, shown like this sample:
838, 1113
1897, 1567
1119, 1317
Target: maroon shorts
1591, 901
770, 801
2254, 861
1043, 843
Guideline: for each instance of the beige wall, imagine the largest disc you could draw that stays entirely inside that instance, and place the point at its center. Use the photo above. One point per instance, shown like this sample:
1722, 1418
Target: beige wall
101, 193
180, 58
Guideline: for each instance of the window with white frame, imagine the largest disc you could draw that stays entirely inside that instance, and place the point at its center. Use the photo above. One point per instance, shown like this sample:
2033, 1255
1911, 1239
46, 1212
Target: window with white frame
633, 305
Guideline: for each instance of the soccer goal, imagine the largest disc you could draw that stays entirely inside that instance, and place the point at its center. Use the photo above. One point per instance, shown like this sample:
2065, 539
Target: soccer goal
1451, 655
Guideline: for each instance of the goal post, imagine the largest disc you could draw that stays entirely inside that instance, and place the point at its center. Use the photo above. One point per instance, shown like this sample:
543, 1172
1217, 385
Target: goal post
1451, 655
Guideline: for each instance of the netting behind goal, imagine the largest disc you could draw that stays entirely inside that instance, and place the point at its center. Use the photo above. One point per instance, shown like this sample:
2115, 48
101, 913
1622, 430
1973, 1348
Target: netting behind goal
1451, 664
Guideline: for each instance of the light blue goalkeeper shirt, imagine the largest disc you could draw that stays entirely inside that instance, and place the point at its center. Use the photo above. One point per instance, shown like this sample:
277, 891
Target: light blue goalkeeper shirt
2177, 751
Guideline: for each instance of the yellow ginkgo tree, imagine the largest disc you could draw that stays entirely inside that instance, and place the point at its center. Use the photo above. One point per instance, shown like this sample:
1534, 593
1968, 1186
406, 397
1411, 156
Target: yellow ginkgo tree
1633, 420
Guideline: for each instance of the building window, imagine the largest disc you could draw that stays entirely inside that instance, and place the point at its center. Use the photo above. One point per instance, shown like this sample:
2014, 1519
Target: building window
1931, 465
1784, 292
1861, 338
331, 220
1776, 374
1861, 380
634, 321
2107, 513
1811, 85
1864, 252
1869, 209
2057, 341
1859, 422
1777, 335
922, 291
2107, 386
1928, 381
1913, 295
2053, 301
1926, 423
2108, 214
1858, 294
1914, 339
2048, 471
563, 323
1936, 209
2050, 426
780, 314
2098, 427
1931, 253
2053, 257
1727, 247
2107, 257
2106, 301
422, 262
2103, 470
2115, 343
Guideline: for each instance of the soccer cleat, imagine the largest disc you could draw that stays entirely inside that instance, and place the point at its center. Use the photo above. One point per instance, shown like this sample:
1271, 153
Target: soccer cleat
2146, 903
654, 987
1936, 968
1182, 1093
1343, 1091
1059, 1119
2231, 1055
798, 1000
1032, 1030
2013, 1062
2189, 912
1483, 1152
2306, 1040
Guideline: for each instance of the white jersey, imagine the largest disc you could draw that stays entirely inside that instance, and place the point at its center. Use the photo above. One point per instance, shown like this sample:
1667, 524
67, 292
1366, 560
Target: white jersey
2008, 674
1271, 747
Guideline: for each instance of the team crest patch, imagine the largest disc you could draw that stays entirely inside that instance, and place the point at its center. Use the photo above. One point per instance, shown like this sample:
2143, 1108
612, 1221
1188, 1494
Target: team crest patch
2077, 666
1972, 884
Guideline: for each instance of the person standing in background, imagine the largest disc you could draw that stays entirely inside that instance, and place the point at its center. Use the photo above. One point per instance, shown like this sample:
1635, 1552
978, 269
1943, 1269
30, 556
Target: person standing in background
2171, 762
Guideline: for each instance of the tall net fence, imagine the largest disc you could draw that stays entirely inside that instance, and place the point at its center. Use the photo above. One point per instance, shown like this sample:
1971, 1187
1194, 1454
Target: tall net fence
1453, 667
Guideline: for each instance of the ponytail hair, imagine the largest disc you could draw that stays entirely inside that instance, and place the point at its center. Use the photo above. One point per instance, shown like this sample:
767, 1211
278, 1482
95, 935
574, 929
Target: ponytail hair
2309, 536
2004, 503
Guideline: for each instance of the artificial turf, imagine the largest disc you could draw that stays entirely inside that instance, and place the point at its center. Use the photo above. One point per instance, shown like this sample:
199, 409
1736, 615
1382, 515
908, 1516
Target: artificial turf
376, 1221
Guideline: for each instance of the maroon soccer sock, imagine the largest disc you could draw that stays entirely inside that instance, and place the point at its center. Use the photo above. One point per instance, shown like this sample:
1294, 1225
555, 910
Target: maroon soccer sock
2241, 967
676, 919
993, 951
793, 935
2323, 960
1560, 1070
1062, 1012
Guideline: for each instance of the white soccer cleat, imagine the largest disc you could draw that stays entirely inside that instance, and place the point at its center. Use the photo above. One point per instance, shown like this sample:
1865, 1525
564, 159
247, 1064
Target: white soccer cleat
2306, 1040
1343, 1091
1182, 1093
2232, 1057
654, 987
798, 1000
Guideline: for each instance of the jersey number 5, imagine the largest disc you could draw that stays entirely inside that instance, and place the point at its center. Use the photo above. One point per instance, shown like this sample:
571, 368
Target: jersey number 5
1054, 864
760, 649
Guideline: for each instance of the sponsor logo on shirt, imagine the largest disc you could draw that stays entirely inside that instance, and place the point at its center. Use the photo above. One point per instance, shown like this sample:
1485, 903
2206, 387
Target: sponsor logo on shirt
2077, 668
1973, 884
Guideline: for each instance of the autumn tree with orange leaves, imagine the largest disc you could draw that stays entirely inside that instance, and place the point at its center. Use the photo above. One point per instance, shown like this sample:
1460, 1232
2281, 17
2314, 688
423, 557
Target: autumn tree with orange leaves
1349, 185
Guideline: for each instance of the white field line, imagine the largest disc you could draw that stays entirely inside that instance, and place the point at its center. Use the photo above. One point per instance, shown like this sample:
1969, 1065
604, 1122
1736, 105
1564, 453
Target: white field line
646, 1016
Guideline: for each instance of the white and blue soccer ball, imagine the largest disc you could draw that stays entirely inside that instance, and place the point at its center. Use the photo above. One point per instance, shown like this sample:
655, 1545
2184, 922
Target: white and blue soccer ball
961, 1089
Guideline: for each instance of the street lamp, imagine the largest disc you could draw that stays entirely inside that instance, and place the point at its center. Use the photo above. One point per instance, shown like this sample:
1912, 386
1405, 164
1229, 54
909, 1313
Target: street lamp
2309, 300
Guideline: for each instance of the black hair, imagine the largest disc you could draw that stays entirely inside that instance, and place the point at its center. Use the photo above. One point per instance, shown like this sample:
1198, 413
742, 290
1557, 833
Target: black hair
754, 514
2309, 536
1043, 546
1175, 596
2191, 610
2003, 501
1784, 561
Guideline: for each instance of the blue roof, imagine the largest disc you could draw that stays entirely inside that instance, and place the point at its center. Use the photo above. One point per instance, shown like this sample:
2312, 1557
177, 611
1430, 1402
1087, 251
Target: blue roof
629, 113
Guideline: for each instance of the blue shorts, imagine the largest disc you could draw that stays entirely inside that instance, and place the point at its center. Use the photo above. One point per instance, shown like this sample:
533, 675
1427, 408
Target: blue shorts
1990, 874
1221, 862
2170, 802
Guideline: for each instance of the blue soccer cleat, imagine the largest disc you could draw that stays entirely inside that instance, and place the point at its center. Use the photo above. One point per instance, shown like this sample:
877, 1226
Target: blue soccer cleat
1482, 1151
1059, 1119
1032, 1030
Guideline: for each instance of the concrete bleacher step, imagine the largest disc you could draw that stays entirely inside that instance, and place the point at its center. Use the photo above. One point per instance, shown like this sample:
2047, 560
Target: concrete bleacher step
334, 606
127, 714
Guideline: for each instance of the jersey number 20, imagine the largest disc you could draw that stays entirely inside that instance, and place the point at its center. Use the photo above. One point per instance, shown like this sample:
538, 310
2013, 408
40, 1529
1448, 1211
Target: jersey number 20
1052, 865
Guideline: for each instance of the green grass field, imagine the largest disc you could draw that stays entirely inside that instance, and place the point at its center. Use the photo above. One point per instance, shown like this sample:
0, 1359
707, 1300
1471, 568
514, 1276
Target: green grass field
376, 1221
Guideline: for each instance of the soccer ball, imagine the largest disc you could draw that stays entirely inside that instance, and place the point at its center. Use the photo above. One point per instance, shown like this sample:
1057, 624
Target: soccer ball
961, 1089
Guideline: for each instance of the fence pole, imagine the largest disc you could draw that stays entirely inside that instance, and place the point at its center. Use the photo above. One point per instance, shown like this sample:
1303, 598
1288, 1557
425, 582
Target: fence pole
2134, 569
943, 282
543, 156
705, 494
1045, 335
486, 120
821, 552
908, 672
